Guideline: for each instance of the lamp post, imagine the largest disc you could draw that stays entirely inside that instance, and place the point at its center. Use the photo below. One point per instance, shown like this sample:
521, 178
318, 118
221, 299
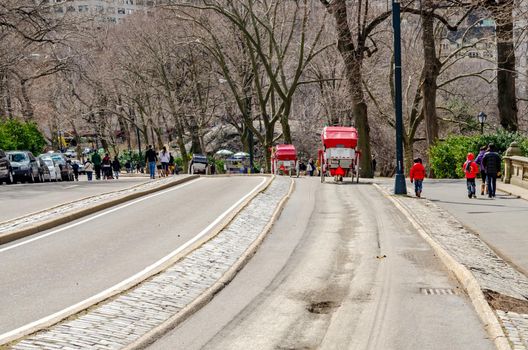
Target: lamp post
482, 119
399, 187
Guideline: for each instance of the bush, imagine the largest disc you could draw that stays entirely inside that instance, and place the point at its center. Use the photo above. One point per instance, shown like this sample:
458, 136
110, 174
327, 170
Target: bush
446, 157
17, 135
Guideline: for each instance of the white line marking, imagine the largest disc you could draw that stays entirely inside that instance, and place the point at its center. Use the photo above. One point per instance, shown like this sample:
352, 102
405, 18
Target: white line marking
98, 216
98, 297
73, 186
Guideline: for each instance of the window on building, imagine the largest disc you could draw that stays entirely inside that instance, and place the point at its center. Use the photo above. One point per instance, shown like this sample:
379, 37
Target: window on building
120, 11
70, 8
59, 9
110, 10
473, 54
99, 8
83, 8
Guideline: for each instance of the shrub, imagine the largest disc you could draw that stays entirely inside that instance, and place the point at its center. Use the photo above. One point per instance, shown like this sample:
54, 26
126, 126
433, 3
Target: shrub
17, 135
446, 157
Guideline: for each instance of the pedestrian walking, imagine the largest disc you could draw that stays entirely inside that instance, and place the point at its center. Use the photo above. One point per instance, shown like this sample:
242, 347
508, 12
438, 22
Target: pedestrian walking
481, 154
492, 163
164, 157
88, 168
151, 158
310, 167
128, 166
471, 171
96, 160
171, 164
116, 167
75, 168
417, 175
106, 166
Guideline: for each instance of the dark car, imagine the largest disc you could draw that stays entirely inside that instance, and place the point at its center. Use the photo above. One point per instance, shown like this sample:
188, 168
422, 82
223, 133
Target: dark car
6, 174
64, 165
24, 165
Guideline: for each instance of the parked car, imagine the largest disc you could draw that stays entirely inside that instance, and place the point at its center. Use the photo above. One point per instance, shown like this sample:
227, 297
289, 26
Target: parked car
44, 172
6, 174
24, 166
64, 165
70, 153
53, 167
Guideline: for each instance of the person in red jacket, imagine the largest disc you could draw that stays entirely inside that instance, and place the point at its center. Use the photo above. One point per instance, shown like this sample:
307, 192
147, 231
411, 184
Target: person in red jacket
417, 175
471, 170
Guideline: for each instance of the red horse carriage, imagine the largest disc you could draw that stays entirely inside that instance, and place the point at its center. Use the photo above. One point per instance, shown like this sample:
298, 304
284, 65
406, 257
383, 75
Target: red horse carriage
284, 160
339, 157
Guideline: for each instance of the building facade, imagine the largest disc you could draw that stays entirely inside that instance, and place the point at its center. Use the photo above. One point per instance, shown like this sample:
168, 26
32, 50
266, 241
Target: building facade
111, 11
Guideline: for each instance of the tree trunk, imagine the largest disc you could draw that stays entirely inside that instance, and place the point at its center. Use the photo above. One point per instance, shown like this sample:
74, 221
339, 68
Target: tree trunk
27, 109
507, 99
431, 71
353, 59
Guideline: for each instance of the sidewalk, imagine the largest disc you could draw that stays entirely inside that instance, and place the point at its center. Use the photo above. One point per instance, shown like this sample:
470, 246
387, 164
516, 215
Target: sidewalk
497, 289
521, 192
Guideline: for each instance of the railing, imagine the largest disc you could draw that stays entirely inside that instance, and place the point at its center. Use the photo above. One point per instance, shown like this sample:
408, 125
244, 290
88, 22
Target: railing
515, 167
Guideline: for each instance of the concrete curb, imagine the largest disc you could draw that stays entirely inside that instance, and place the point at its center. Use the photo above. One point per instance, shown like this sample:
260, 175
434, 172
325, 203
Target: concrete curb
46, 225
209, 294
102, 297
466, 278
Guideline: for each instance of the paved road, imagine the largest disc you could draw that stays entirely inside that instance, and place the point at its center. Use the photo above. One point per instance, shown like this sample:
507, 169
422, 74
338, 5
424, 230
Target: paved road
44, 276
20, 199
501, 222
316, 283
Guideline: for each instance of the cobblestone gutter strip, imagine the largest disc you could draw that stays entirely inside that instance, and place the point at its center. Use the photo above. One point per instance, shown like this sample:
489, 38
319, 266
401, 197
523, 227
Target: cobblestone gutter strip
43, 220
475, 265
137, 316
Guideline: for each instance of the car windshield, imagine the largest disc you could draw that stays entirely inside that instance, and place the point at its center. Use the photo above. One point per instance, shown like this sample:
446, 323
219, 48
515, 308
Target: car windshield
48, 162
17, 157
58, 159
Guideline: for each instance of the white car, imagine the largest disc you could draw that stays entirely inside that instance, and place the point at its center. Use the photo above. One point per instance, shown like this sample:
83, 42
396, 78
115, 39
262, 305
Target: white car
54, 169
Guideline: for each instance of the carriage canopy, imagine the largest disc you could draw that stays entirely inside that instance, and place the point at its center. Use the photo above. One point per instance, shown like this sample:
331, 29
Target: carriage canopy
339, 137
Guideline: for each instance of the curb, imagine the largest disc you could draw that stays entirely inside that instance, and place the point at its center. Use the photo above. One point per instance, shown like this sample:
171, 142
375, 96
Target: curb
151, 336
46, 225
465, 277
94, 301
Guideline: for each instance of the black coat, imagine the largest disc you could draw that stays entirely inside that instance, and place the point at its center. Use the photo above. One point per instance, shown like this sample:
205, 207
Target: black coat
492, 163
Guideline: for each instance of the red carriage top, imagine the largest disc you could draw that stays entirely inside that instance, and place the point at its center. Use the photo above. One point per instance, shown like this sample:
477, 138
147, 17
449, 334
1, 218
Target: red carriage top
285, 152
339, 137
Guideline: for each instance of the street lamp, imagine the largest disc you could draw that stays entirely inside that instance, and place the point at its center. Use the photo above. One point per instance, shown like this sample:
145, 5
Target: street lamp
399, 186
482, 119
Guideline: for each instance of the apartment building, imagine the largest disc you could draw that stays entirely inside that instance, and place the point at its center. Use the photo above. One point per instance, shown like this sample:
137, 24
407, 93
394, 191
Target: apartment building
111, 11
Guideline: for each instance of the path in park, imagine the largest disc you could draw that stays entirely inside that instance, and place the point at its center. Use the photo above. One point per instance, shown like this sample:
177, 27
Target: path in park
501, 222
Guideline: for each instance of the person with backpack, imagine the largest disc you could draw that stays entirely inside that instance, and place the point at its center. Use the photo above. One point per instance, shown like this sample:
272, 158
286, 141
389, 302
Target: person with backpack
492, 163
417, 175
471, 170
481, 154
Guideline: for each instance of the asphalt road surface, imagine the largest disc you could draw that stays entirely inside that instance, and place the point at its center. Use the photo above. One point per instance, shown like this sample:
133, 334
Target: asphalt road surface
501, 222
341, 269
21, 199
48, 272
